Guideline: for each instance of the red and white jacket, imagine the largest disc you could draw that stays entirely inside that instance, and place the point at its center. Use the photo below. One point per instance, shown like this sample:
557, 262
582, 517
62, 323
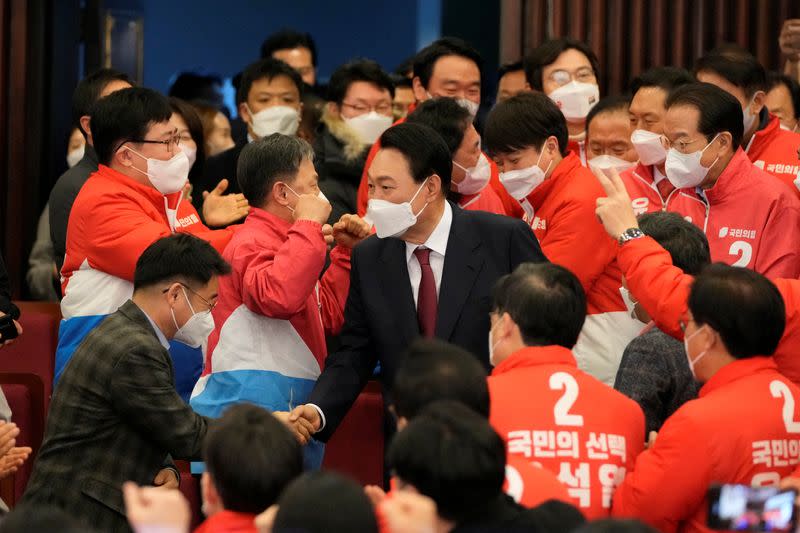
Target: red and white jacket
549, 412
561, 212
742, 429
645, 193
774, 150
750, 219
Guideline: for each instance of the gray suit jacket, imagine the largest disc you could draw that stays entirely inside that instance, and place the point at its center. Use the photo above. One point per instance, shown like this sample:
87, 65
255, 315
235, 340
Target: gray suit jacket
115, 416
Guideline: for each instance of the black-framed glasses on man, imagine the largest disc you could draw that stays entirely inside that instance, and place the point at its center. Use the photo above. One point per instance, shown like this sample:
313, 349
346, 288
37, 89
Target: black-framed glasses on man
171, 143
210, 305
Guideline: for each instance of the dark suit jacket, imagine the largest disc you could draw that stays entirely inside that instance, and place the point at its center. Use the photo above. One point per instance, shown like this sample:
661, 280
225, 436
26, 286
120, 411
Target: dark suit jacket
222, 165
63, 196
115, 417
380, 315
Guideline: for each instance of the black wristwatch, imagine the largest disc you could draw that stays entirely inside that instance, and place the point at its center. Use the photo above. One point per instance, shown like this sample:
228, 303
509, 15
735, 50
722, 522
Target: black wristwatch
630, 234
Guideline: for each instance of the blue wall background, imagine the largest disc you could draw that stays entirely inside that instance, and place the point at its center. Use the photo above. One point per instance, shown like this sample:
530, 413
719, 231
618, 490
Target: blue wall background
224, 36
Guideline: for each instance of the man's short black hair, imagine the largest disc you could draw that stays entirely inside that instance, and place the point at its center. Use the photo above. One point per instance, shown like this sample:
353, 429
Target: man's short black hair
179, 257
546, 301
324, 501
507, 68
523, 121
88, 92
665, 78
774, 79
262, 162
399, 82
192, 119
123, 116
357, 70
445, 115
719, 110
251, 458
189, 86
452, 455
685, 242
737, 66
547, 53
267, 69
287, 39
405, 67
426, 59
424, 150
434, 370
609, 104
744, 307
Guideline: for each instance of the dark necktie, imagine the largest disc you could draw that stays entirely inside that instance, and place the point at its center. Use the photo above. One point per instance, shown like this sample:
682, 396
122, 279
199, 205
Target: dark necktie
426, 297
665, 187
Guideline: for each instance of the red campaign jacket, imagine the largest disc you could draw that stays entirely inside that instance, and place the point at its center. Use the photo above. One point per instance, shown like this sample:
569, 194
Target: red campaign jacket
115, 218
742, 429
751, 219
774, 150
663, 290
578, 148
228, 522
510, 206
641, 187
275, 269
549, 412
485, 200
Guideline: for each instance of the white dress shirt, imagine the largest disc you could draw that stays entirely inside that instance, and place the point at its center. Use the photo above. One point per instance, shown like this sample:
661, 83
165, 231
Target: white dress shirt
657, 175
437, 244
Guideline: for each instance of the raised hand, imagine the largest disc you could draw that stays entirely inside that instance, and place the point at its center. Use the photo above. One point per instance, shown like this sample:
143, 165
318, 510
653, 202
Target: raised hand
615, 211
221, 210
156, 509
408, 512
166, 478
350, 230
13, 459
312, 207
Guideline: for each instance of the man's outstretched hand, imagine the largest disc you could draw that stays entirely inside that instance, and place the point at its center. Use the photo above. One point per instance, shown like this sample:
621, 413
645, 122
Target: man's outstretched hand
302, 428
308, 415
350, 230
222, 209
615, 211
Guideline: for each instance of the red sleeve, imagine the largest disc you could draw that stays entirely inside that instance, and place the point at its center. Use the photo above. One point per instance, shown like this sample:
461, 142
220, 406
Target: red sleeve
778, 254
565, 243
363, 187
669, 480
277, 283
659, 286
333, 289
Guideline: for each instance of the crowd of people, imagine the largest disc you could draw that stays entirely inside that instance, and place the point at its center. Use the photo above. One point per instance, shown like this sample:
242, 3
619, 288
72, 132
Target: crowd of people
582, 309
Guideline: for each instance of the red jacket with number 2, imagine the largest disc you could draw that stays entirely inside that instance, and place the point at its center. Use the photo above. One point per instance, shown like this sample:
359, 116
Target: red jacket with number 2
546, 410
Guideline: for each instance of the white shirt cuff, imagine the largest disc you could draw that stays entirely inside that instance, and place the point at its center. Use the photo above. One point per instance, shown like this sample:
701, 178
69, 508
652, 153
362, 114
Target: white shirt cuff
321, 417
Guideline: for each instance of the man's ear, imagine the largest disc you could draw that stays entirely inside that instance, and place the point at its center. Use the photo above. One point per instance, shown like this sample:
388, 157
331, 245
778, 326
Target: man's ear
420, 93
333, 109
209, 491
86, 122
434, 186
759, 100
279, 193
244, 112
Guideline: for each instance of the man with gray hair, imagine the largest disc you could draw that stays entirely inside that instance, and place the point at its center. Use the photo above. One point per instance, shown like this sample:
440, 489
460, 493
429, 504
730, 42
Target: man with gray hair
268, 345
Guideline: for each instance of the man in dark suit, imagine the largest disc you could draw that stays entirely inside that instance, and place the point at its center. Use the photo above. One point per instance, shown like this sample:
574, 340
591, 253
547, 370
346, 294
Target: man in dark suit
115, 415
429, 271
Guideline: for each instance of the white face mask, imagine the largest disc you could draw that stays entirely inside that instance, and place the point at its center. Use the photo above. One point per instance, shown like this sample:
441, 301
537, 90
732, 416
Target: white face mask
604, 163
166, 176
575, 99
390, 219
75, 155
369, 126
275, 119
748, 118
648, 146
492, 346
693, 362
470, 106
685, 170
191, 154
197, 329
476, 177
320, 195
520, 183
630, 304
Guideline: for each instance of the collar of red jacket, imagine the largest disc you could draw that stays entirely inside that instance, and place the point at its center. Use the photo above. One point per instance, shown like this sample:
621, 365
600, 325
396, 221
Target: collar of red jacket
535, 356
264, 218
565, 168
765, 135
228, 521
734, 177
644, 172
150, 192
741, 368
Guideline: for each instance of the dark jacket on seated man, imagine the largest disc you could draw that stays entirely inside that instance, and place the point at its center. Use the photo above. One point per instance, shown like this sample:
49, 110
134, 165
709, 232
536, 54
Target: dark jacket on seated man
115, 417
